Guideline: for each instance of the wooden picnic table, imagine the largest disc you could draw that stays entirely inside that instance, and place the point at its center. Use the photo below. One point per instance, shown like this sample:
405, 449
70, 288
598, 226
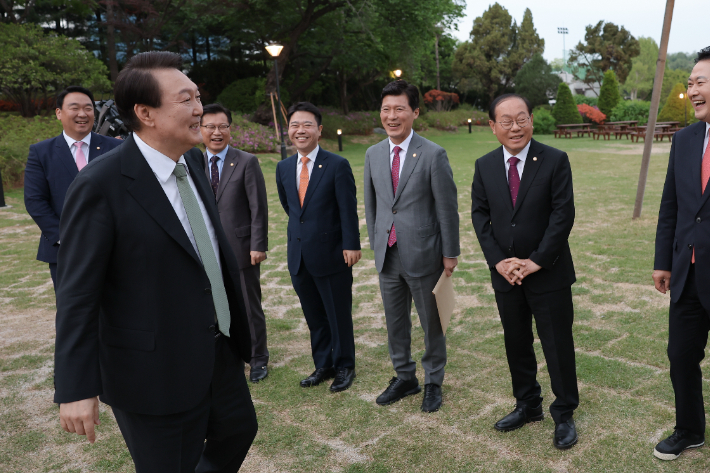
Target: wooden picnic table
568, 128
622, 128
661, 130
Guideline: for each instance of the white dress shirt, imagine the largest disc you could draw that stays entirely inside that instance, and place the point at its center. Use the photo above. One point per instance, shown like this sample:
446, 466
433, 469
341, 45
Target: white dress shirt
85, 143
522, 156
221, 156
309, 165
402, 153
163, 168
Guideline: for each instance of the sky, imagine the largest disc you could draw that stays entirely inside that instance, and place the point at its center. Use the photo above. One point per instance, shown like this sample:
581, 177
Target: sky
639, 17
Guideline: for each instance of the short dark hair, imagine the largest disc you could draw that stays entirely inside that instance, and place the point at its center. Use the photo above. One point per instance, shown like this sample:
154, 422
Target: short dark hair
71, 89
503, 98
703, 55
136, 84
216, 108
304, 107
400, 87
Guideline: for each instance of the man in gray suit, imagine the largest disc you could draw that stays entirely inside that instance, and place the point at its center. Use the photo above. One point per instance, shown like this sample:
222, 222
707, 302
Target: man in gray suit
413, 224
240, 191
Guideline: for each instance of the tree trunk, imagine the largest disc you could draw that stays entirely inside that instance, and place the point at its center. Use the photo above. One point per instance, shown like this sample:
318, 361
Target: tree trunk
436, 52
194, 49
343, 91
207, 46
111, 41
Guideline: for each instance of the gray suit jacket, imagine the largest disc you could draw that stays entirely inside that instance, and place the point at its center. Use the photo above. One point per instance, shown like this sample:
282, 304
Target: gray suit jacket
242, 205
424, 210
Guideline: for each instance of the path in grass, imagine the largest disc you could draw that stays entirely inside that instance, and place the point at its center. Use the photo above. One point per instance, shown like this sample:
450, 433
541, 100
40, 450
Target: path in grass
620, 334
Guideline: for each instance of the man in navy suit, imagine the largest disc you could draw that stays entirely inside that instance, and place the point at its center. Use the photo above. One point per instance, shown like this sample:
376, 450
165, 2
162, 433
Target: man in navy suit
54, 163
683, 251
317, 191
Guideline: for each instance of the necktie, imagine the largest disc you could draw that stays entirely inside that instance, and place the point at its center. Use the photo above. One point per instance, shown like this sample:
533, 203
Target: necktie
205, 248
513, 178
704, 176
214, 174
80, 158
303, 182
395, 182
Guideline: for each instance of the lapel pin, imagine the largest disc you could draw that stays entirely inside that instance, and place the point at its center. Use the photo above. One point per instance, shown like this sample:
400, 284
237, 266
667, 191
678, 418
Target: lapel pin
320, 165
414, 155
98, 147
231, 164
535, 158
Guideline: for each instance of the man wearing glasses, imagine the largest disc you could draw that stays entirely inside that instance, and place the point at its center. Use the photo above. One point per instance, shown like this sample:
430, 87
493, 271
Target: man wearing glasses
239, 188
523, 212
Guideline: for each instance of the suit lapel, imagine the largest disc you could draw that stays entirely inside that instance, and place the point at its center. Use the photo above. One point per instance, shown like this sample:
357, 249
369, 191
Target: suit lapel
148, 192
381, 164
413, 155
529, 172
230, 163
696, 157
64, 155
95, 149
500, 179
319, 166
203, 188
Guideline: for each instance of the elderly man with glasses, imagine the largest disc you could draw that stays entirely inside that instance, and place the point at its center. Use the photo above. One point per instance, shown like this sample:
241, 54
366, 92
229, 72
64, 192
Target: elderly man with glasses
523, 212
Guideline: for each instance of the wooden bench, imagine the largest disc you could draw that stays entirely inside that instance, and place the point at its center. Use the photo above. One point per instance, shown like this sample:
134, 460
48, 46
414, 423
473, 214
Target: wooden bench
604, 131
559, 133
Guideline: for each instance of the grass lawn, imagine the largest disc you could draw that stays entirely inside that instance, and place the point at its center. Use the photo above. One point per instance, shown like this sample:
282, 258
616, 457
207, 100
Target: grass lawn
620, 333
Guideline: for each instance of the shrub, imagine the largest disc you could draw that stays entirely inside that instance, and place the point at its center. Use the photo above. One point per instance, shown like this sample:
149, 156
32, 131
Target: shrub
450, 121
673, 110
565, 110
543, 121
354, 123
16, 136
244, 95
631, 110
609, 95
253, 137
440, 100
580, 99
591, 114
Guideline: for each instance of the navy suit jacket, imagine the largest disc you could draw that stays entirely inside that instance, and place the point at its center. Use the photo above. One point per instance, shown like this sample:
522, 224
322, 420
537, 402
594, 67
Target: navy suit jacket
49, 172
327, 223
684, 216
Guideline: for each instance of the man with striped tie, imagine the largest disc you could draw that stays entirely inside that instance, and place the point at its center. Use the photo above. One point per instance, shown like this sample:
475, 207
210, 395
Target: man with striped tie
317, 191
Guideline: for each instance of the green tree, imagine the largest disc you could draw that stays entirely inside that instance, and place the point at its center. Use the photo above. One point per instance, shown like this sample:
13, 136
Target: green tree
609, 95
677, 109
671, 77
536, 81
565, 110
682, 61
639, 83
35, 65
497, 50
606, 46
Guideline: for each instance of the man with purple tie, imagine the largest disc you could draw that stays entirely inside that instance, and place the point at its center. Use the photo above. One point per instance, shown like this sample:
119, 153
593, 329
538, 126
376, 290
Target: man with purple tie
54, 163
523, 212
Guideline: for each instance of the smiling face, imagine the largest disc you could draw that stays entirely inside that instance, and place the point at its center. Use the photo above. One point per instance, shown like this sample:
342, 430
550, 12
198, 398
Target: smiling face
397, 117
699, 90
508, 112
76, 115
214, 137
304, 132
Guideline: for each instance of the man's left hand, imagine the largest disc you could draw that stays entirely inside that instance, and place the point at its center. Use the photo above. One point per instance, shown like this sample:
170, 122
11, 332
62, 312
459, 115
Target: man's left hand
527, 267
257, 257
449, 265
351, 256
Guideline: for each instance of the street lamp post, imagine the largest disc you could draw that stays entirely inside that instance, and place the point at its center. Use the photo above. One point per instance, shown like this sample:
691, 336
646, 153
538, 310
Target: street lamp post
563, 32
685, 108
274, 50
340, 139
469, 125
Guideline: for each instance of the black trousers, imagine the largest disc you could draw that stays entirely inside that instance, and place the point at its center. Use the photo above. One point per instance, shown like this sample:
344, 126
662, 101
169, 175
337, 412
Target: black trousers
251, 289
175, 443
53, 273
554, 314
689, 323
327, 304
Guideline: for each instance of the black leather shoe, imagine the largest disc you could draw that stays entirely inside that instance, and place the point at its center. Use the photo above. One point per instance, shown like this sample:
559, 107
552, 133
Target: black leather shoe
565, 435
257, 374
317, 377
521, 415
398, 389
432, 398
673, 446
343, 380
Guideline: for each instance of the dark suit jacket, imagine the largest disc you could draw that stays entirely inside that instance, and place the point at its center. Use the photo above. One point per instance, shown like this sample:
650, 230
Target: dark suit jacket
539, 225
135, 316
242, 204
327, 224
49, 172
684, 216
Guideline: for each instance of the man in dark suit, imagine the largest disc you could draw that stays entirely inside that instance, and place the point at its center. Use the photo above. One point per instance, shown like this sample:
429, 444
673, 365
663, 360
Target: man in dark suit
317, 191
150, 315
238, 185
523, 212
54, 163
683, 251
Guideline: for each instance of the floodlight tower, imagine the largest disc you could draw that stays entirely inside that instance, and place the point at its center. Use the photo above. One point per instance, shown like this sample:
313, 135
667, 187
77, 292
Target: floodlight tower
563, 32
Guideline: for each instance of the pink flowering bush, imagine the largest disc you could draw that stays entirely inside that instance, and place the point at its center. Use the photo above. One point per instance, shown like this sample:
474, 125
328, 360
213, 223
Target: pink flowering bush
253, 137
354, 123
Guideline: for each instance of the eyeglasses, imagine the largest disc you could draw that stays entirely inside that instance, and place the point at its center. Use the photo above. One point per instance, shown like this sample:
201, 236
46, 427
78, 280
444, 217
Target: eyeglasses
211, 128
508, 124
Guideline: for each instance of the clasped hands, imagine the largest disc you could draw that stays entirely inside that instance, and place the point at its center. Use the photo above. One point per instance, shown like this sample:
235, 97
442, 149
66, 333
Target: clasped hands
514, 270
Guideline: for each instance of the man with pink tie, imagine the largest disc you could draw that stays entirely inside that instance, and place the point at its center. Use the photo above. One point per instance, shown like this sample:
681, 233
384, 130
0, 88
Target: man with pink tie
53, 164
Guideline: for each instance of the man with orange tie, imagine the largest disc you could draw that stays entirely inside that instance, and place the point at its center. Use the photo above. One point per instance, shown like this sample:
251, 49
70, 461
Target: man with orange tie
54, 163
683, 251
317, 191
